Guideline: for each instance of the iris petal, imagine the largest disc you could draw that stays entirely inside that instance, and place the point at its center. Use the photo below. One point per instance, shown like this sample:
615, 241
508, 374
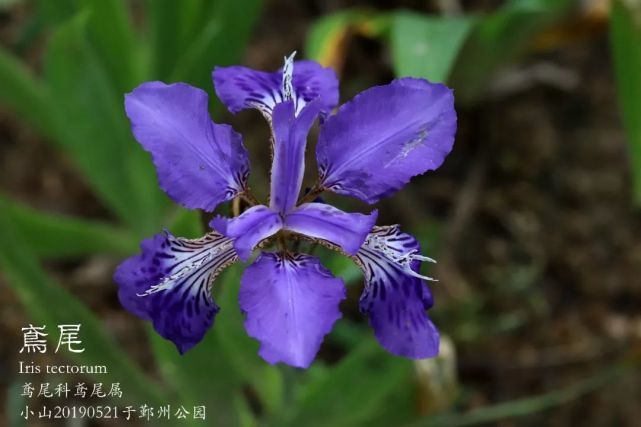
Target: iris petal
322, 221
291, 303
199, 163
395, 296
248, 229
240, 88
290, 138
170, 283
383, 137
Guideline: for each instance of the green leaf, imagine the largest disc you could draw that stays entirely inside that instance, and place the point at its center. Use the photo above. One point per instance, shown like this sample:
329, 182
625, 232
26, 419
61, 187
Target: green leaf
340, 265
240, 349
525, 406
111, 33
171, 26
327, 39
189, 38
49, 304
94, 131
226, 354
186, 223
221, 40
25, 94
497, 39
202, 376
8, 3
58, 236
329, 398
427, 46
54, 13
15, 403
625, 35
190, 375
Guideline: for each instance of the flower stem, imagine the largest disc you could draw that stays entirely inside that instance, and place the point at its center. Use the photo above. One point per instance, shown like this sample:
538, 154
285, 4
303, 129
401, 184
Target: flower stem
312, 194
235, 207
249, 197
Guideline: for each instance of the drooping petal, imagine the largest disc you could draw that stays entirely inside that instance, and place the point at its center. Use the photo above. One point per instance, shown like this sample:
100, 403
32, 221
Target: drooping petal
395, 295
290, 138
291, 303
170, 283
240, 88
386, 135
322, 221
199, 163
248, 229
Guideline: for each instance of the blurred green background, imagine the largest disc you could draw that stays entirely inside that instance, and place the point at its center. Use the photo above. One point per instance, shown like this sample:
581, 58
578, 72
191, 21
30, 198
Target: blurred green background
534, 218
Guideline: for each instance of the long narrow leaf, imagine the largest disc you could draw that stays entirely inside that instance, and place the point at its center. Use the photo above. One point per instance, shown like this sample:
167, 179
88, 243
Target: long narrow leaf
58, 236
205, 374
49, 304
202, 376
172, 25
15, 403
427, 46
95, 132
25, 94
189, 38
54, 13
525, 406
221, 41
330, 398
240, 349
111, 31
626, 47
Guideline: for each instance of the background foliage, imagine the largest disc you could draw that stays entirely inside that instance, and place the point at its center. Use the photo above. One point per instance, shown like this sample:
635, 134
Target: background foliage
63, 72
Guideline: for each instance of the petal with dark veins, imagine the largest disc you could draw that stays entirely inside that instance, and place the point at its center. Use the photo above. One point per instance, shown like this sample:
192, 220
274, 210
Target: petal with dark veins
396, 295
170, 283
290, 303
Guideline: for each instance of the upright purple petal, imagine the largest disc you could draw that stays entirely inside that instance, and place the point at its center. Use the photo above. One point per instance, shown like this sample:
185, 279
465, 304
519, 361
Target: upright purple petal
288, 167
386, 135
291, 303
395, 295
170, 282
347, 230
312, 81
199, 163
240, 88
248, 229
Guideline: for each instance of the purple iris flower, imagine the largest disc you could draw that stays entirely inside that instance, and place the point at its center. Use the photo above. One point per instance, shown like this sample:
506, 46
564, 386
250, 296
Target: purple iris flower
370, 148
